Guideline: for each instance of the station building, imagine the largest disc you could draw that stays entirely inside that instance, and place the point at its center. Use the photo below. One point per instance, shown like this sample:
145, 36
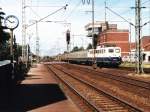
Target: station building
110, 35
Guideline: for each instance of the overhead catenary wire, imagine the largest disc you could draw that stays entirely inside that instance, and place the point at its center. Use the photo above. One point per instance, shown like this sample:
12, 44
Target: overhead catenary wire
64, 7
76, 6
120, 16
34, 12
145, 2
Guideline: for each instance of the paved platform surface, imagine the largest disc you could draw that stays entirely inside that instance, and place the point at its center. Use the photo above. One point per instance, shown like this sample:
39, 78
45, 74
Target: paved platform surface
39, 92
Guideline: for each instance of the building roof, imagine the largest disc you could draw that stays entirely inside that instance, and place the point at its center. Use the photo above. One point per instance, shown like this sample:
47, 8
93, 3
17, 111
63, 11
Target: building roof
104, 25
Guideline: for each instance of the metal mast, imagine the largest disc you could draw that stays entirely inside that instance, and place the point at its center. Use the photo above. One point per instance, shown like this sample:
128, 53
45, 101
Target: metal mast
37, 42
93, 33
23, 32
105, 11
138, 35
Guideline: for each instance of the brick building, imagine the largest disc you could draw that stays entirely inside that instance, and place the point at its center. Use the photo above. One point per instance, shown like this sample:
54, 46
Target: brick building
146, 43
109, 35
115, 37
145, 40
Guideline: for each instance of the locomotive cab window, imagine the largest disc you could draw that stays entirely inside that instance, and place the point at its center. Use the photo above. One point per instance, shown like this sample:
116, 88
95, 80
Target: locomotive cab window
117, 50
110, 50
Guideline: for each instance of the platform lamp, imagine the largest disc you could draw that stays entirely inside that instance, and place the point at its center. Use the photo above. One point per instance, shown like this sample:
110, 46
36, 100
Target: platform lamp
11, 22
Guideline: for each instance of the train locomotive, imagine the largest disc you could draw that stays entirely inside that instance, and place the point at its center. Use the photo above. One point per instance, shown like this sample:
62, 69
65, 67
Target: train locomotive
103, 56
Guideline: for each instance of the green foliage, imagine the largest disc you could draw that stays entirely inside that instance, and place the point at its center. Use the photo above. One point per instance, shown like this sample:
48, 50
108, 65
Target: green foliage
4, 37
89, 46
81, 49
75, 49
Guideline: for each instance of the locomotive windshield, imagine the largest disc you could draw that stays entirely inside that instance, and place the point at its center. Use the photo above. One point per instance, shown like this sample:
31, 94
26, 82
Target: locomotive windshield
111, 50
117, 50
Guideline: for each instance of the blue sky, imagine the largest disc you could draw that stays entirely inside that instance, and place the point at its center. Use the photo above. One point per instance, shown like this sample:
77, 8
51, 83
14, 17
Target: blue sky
77, 14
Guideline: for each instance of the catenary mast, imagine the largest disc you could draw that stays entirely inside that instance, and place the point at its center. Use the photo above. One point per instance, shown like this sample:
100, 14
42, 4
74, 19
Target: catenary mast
23, 32
138, 36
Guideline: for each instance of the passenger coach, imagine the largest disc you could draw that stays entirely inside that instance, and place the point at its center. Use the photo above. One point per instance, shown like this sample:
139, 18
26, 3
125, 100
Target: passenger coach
104, 56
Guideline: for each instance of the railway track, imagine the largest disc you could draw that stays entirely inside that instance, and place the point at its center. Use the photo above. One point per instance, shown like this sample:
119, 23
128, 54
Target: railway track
98, 99
131, 93
115, 75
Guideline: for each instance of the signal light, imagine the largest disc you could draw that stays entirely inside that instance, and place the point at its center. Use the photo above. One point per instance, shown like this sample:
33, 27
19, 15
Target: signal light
68, 36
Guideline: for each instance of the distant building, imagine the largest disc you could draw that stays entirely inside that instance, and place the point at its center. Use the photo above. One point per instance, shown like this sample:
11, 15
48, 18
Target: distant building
145, 40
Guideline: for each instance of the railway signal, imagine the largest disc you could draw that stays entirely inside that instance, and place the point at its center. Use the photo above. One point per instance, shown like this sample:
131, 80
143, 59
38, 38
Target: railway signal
68, 37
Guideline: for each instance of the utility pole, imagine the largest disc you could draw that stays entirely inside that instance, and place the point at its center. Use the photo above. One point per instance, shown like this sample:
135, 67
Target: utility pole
37, 42
149, 17
105, 11
93, 10
130, 40
94, 59
138, 36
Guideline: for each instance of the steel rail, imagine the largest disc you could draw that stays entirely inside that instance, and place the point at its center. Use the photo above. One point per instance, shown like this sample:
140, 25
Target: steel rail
76, 92
119, 78
112, 97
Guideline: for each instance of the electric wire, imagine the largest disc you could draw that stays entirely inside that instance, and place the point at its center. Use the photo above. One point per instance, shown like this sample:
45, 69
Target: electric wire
145, 2
34, 12
120, 16
64, 7
76, 6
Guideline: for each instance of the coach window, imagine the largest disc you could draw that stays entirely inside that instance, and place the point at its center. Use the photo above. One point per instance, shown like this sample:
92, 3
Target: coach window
111, 50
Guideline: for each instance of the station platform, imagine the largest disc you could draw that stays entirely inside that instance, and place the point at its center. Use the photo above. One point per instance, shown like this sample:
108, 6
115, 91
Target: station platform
39, 92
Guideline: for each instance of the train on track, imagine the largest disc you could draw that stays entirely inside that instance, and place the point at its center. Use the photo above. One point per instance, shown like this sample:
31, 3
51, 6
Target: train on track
103, 56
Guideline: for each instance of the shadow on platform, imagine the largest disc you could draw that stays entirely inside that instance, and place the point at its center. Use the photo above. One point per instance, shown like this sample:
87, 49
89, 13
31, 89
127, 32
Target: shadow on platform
26, 97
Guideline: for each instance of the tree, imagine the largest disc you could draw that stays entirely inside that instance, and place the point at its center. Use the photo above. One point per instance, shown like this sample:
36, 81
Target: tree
81, 49
4, 37
75, 49
89, 46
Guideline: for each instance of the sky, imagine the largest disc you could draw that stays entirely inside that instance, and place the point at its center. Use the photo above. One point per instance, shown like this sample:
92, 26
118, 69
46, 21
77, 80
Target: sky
74, 17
